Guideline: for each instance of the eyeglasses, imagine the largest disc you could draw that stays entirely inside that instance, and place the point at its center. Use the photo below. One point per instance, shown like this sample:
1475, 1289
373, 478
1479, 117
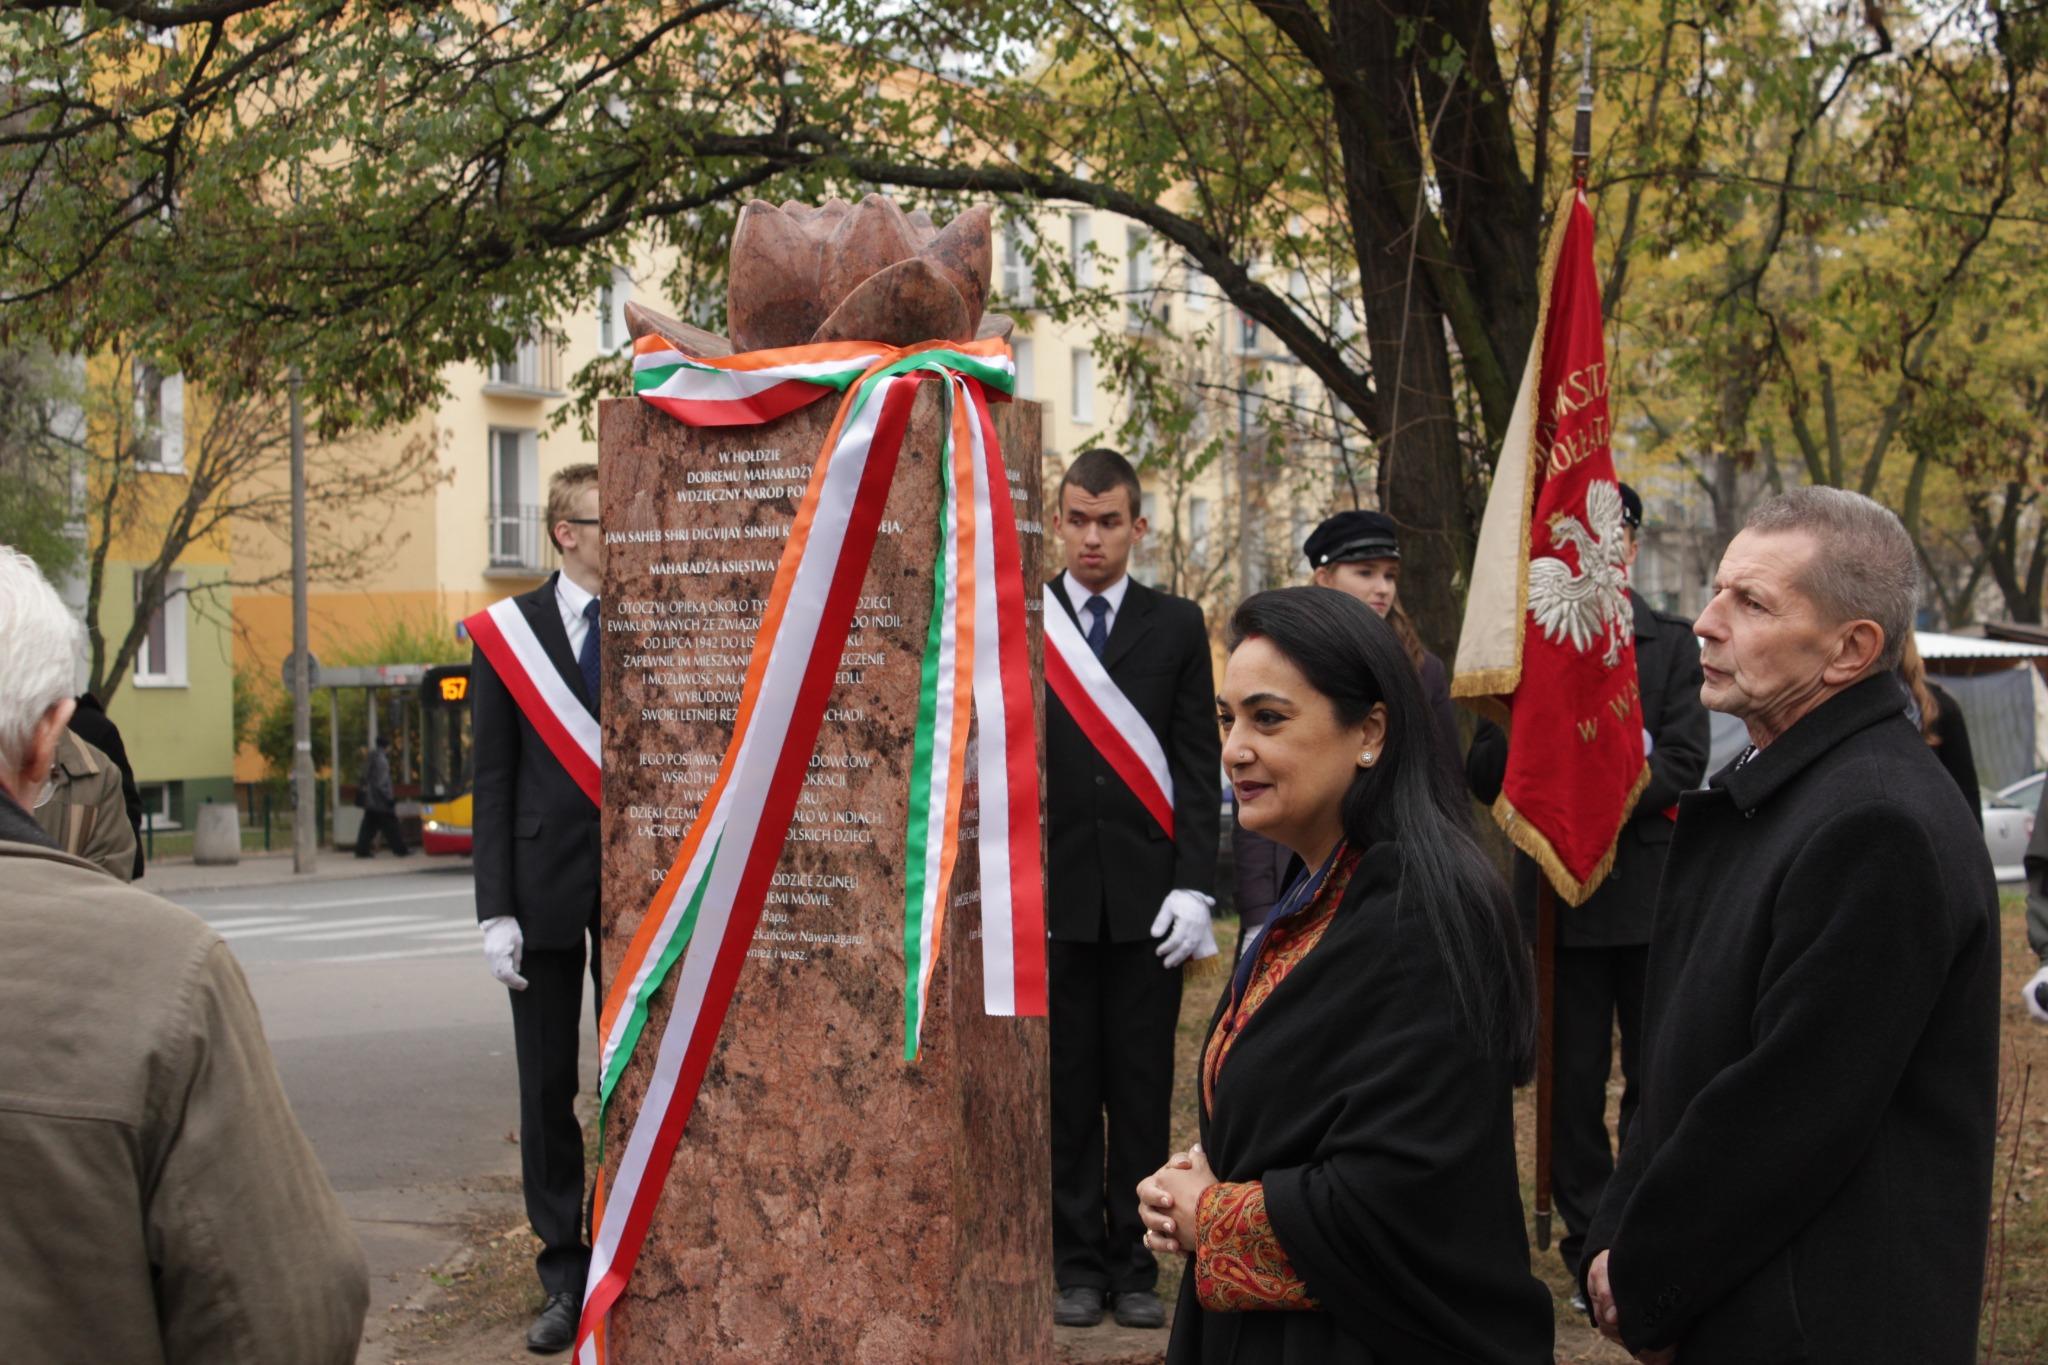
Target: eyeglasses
581, 521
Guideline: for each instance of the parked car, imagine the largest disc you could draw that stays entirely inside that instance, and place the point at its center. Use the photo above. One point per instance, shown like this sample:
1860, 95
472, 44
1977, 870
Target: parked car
2009, 824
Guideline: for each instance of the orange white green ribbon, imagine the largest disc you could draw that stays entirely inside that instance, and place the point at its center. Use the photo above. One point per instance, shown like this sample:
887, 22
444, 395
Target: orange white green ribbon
708, 906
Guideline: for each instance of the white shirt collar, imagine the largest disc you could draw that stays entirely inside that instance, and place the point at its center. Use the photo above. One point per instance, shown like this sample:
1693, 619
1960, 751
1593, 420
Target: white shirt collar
1113, 594
570, 596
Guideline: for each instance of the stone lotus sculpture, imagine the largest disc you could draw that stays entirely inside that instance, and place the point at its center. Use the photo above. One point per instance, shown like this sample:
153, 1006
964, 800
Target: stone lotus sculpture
845, 272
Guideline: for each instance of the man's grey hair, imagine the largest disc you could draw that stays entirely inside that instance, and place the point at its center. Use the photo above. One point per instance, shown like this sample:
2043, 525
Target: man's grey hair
40, 645
1863, 568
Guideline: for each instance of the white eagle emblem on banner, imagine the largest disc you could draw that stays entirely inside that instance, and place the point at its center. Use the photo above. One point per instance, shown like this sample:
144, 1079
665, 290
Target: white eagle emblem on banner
1584, 604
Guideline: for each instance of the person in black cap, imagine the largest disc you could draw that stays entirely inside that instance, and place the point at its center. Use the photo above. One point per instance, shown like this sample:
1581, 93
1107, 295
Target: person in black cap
1603, 946
1358, 553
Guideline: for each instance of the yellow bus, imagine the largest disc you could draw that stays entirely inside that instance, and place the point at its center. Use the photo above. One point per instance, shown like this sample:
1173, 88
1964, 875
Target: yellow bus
445, 774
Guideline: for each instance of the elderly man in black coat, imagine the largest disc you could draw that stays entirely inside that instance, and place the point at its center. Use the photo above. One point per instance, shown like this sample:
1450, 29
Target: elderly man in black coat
1809, 1175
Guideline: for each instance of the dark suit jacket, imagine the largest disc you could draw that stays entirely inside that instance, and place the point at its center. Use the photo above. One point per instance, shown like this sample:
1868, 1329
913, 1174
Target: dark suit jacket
1108, 862
1809, 1175
1619, 912
536, 833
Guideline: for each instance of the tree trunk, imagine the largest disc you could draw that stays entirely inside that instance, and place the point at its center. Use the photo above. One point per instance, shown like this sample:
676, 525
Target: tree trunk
1420, 454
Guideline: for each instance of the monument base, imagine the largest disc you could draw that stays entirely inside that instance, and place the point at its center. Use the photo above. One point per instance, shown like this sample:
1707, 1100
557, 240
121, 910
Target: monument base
829, 1201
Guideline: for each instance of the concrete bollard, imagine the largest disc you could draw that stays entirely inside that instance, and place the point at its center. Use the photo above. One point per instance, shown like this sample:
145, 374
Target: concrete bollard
217, 842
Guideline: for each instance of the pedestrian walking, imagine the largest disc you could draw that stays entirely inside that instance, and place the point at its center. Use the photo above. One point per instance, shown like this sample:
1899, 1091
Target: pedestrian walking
379, 803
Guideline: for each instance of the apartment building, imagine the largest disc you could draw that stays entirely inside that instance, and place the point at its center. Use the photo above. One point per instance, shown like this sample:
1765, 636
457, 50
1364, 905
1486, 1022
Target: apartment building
128, 425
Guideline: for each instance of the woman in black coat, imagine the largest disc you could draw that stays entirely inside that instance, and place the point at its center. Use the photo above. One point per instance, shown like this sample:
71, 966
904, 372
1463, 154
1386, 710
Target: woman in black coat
1354, 1196
1939, 719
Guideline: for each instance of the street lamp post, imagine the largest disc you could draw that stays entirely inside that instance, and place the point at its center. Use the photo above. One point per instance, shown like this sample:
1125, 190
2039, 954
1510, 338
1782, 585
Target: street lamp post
305, 828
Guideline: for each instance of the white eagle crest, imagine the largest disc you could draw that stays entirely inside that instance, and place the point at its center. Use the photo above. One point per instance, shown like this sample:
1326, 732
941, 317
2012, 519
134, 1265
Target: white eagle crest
1593, 601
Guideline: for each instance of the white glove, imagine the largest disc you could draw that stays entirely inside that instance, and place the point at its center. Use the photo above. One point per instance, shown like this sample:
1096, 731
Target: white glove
1649, 742
1183, 919
504, 945
2032, 993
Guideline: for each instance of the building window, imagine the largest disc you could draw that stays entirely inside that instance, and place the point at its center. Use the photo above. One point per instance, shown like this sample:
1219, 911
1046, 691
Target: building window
1198, 530
1027, 376
160, 662
1139, 306
1017, 282
160, 805
611, 310
1247, 333
1084, 385
533, 368
517, 537
159, 419
1080, 231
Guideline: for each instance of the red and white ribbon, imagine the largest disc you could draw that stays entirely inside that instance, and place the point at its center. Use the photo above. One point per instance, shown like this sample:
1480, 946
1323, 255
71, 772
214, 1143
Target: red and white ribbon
556, 713
1105, 714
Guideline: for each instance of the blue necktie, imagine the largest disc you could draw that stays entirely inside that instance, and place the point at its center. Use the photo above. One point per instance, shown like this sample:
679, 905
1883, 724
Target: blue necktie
586, 658
1098, 632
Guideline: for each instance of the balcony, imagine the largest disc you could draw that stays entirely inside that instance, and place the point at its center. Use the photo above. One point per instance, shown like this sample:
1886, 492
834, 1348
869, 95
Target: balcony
517, 539
534, 371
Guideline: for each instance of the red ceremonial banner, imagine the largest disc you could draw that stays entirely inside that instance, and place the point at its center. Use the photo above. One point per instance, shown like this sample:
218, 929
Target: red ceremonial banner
1575, 753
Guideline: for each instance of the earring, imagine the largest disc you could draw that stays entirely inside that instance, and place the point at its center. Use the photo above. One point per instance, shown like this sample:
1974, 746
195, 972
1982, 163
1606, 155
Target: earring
1365, 759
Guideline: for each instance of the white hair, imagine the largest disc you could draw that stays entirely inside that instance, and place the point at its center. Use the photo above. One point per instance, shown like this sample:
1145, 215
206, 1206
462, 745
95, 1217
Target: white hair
40, 645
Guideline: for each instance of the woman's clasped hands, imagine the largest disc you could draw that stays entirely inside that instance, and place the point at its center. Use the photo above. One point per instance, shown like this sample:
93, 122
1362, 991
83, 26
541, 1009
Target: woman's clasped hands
1167, 1199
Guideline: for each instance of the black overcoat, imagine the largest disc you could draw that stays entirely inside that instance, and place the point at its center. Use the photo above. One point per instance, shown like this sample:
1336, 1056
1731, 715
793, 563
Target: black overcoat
1619, 912
1108, 864
1954, 751
1809, 1175
1386, 1142
534, 832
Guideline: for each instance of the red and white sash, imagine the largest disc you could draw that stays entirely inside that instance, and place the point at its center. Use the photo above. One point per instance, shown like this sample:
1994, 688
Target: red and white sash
1105, 714
556, 713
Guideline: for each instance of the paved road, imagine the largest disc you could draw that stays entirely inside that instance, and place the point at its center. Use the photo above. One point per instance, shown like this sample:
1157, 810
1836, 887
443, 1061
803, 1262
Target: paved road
395, 1047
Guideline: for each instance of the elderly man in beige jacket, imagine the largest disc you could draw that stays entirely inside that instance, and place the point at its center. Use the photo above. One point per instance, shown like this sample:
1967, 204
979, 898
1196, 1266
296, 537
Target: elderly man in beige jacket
157, 1200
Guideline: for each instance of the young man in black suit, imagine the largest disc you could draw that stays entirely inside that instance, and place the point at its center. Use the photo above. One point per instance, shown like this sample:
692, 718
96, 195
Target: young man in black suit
537, 869
1125, 905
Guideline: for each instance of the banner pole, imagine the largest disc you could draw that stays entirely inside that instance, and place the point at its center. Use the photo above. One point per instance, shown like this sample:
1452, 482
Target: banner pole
1582, 125
1546, 1050
1546, 894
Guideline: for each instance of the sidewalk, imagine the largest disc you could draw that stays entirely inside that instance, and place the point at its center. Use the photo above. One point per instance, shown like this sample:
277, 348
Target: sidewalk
181, 876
